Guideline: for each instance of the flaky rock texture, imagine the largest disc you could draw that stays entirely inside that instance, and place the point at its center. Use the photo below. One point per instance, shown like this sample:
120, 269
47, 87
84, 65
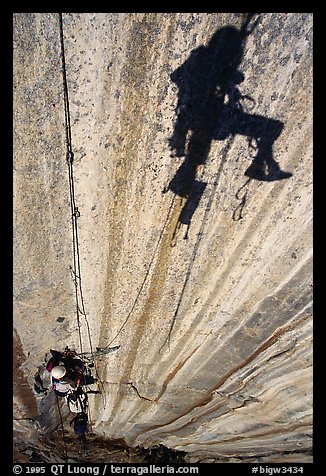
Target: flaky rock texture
192, 139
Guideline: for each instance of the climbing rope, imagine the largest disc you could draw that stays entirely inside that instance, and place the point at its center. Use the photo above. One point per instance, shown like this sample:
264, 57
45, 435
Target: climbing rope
75, 214
74, 210
62, 429
238, 211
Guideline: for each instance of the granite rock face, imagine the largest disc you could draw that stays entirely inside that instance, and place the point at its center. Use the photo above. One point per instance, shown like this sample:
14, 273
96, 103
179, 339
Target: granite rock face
192, 140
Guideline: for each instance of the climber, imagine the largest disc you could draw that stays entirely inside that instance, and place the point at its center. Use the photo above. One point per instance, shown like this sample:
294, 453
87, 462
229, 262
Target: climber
67, 372
62, 384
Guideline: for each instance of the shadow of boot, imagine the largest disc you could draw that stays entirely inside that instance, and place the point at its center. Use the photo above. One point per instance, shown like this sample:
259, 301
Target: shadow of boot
266, 170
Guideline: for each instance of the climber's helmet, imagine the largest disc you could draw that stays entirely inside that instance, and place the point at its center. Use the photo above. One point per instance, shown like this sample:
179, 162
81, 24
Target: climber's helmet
58, 372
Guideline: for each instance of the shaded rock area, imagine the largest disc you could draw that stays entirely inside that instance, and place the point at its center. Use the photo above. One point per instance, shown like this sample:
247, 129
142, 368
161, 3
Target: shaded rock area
95, 449
192, 141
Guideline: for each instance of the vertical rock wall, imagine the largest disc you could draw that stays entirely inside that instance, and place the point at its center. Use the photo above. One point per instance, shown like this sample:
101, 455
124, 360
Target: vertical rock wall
198, 265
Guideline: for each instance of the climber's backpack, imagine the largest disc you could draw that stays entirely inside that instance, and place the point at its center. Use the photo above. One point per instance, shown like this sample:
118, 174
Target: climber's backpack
80, 424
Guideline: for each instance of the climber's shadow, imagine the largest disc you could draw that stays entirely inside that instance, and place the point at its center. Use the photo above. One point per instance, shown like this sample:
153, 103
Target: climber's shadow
210, 108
